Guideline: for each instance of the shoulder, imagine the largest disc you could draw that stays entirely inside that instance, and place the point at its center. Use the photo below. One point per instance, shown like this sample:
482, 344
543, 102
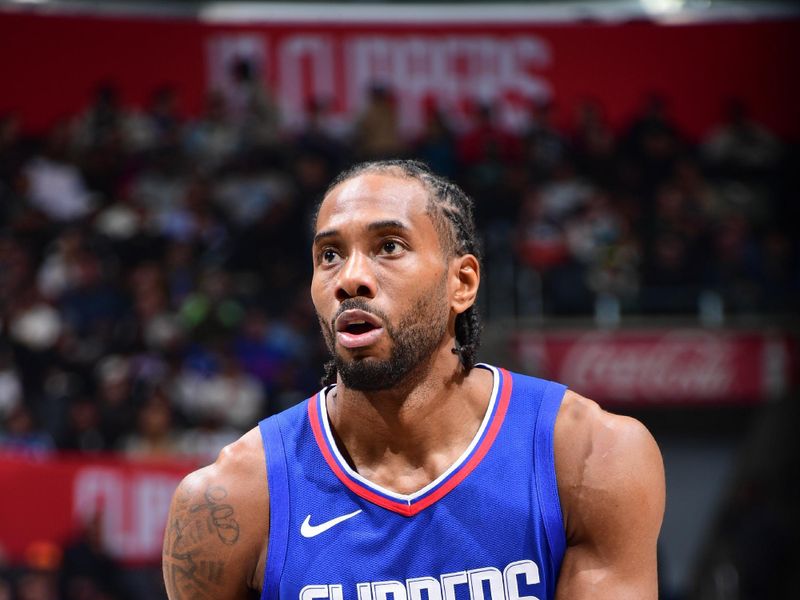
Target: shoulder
239, 468
609, 470
218, 524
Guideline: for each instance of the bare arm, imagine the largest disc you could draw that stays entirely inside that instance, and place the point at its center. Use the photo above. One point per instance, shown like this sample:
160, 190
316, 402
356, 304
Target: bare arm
215, 540
611, 483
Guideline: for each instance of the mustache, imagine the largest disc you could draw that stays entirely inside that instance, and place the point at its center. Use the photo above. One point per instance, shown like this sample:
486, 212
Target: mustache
358, 304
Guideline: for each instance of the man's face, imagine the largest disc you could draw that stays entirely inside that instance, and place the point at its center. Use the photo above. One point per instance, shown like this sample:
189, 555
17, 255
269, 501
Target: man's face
380, 279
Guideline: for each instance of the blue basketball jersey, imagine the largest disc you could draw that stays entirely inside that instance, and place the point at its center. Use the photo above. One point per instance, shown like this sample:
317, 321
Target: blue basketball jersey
489, 528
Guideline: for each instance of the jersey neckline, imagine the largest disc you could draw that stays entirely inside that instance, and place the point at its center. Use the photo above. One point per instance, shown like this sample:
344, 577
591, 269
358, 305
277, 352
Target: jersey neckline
411, 504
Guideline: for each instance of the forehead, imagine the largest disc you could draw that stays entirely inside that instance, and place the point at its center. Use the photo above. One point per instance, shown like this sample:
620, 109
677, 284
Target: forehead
372, 197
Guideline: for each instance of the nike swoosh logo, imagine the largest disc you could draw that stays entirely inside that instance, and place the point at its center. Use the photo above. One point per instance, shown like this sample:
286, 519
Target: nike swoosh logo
308, 530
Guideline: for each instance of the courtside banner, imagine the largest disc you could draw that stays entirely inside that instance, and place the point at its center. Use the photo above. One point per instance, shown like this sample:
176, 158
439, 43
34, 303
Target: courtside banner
51, 63
664, 367
48, 498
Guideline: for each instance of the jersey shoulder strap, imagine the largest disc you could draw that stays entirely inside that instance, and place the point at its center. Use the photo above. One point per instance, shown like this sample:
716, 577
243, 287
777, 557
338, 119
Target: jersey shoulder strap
278, 485
541, 399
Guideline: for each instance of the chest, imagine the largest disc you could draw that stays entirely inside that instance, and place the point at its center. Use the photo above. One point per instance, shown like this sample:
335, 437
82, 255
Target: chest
483, 541
489, 528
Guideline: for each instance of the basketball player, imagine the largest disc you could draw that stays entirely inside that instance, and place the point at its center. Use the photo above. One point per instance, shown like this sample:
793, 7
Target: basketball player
417, 474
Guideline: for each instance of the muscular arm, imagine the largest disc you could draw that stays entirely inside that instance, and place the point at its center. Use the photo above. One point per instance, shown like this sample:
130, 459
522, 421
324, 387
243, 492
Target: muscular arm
611, 483
215, 540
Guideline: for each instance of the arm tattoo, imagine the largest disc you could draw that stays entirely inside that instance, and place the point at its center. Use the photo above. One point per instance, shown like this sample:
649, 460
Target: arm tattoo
191, 558
220, 515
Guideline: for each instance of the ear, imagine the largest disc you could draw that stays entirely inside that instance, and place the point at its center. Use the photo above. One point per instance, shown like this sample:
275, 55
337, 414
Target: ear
464, 280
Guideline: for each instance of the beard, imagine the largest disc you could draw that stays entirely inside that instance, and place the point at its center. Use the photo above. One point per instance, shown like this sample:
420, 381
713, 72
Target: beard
414, 340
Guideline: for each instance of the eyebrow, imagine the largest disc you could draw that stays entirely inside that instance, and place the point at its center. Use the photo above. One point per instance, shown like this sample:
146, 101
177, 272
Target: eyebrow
374, 226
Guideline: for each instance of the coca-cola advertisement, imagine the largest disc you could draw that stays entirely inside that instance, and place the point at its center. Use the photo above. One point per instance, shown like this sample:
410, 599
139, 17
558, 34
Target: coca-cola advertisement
663, 366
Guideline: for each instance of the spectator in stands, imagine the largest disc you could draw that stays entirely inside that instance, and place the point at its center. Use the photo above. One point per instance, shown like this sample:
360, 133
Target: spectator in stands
541, 240
544, 146
740, 147
17, 265
251, 107
54, 184
93, 307
11, 160
36, 585
5, 588
83, 432
213, 139
700, 195
486, 142
230, 396
670, 276
652, 143
249, 191
779, 273
103, 122
437, 145
321, 151
212, 312
122, 225
155, 324
487, 156
274, 247
376, 134
160, 183
544, 245
159, 127
324, 134
10, 384
154, 435
194, 218
115, 395
88, 571
565, 193
208, 432
20, 433
253, 349
598, 239
59, 270
735, 264
594, 144
35, 328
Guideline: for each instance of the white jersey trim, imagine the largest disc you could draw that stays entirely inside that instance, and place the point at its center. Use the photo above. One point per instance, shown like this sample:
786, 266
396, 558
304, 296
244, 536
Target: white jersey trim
409, 498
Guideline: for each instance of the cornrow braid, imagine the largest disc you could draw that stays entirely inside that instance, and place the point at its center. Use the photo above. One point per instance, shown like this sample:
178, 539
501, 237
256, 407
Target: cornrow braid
452, 212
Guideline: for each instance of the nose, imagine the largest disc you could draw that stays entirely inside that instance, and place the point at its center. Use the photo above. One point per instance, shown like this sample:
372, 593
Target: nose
356, 278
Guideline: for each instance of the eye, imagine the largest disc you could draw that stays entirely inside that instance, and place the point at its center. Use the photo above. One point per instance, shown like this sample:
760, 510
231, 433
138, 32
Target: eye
392, 247
328, 255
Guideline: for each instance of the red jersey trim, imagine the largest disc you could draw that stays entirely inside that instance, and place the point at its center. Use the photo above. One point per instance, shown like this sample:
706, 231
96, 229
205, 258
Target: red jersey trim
415, 506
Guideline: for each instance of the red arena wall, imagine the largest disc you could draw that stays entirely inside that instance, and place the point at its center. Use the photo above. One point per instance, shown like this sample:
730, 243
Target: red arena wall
50, 64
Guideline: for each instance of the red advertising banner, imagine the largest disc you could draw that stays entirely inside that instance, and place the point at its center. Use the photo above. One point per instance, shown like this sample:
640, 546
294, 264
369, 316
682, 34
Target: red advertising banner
48, 499
50, 64
663, 367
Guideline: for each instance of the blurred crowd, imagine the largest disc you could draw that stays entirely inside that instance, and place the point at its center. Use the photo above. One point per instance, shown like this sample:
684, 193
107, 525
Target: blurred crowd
154, 269
81, 569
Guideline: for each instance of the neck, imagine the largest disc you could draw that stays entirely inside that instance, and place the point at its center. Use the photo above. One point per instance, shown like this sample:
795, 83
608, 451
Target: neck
405, 437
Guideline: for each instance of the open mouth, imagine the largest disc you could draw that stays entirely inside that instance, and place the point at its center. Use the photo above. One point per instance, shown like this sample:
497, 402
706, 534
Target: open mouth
357, 328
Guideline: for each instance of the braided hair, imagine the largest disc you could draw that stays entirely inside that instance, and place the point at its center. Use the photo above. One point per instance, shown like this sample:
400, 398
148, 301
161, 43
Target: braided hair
452, 213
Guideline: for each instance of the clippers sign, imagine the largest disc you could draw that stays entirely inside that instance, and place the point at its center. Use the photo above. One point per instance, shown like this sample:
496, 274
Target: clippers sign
53, 498
452, 63
680, 366
451, 70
